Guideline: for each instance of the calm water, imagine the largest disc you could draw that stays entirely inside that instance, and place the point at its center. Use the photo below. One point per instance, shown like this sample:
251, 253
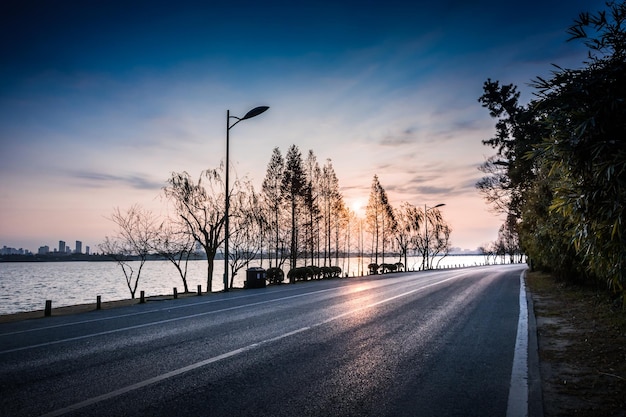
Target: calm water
24, 286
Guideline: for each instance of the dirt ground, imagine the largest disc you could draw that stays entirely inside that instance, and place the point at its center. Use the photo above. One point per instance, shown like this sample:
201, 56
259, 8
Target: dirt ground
582, 348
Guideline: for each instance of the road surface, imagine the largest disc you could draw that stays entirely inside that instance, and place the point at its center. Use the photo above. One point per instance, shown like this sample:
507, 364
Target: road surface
439, 343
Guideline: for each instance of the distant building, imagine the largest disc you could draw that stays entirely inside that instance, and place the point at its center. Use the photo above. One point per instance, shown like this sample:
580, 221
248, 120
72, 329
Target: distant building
43, 250
61, 246
79, 247
68, 250
12, 251
86, 250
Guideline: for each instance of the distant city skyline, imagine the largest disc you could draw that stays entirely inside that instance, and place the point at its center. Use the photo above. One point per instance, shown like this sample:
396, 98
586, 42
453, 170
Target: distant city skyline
61, 247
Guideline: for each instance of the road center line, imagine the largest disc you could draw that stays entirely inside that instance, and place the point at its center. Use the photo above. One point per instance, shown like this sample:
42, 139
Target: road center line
193, 366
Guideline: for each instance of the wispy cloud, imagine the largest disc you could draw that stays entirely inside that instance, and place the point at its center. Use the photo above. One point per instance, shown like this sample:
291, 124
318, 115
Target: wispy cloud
90, 179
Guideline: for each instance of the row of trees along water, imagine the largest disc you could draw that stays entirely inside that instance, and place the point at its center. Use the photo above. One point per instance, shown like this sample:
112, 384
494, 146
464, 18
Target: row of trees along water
560, 169
298, 218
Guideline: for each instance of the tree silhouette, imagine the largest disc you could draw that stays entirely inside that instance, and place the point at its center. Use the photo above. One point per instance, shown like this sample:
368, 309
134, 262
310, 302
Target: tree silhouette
272, 197
136, 232
379, 218
293, 187
200, 205
331, 202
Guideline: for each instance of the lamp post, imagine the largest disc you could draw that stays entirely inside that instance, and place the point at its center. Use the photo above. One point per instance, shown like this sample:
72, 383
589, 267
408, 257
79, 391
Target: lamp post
252, 113
426, 210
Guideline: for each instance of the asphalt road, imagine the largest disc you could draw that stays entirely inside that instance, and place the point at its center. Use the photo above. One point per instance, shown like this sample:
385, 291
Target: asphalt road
438, 343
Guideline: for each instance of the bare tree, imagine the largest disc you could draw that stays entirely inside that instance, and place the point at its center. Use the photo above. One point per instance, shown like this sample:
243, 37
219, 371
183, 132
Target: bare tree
408, 222
379, 218
134, 237
200, 205
175, 244
509, 237
435, 239
485, 250
441, 241
244, 242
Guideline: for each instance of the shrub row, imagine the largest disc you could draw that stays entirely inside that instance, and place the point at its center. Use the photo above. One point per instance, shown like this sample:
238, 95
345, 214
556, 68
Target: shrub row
313, 272
384, 267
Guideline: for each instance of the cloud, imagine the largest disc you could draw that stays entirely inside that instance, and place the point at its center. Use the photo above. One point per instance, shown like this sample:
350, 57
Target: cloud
396, 141
419, 189
90, 179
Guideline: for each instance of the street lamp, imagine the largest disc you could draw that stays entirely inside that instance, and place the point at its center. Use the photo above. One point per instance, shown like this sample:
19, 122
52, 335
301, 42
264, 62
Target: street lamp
252, 113
426, 210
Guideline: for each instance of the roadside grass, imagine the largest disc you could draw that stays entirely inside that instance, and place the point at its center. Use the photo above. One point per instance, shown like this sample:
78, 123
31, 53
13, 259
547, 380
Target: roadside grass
582, 348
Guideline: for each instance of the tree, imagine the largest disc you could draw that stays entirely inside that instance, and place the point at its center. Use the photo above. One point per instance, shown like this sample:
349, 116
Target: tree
311, 205
350, 237
340, 220
586, 114
485, 250
564, 157
409, 220
244, 222
437, 237
331, 201
509, 172
272, 197
379, 218
508, 235
174, 243
136, 232
200, 206
293, 187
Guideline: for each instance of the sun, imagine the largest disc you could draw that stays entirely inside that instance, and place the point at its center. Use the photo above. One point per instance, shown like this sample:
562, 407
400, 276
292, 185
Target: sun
357, 205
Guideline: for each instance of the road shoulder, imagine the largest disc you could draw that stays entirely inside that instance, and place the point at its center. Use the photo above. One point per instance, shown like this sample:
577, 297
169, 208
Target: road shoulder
581, 338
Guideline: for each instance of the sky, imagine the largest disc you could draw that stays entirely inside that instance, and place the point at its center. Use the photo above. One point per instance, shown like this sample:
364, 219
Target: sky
100, 101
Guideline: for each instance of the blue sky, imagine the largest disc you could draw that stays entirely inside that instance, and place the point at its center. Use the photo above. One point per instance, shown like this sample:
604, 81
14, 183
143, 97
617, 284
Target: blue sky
100, 101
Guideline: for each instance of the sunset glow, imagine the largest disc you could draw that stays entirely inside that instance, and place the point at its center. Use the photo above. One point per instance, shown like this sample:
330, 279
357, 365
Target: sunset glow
358, 205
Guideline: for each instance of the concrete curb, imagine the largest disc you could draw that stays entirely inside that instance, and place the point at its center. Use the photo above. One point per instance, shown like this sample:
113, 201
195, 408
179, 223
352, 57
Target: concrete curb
535, 396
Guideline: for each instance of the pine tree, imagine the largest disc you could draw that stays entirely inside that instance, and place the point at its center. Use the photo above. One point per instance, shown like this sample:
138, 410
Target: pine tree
272, 198
293, 188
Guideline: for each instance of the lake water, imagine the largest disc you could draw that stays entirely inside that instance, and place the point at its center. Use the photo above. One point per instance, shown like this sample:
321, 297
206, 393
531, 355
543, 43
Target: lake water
25, 286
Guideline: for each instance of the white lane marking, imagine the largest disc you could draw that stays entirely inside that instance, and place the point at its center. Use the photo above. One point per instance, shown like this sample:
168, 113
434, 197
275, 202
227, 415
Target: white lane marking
139, 326
193, 366
518, 390
139, 313
168, 308
405, 277
154, 323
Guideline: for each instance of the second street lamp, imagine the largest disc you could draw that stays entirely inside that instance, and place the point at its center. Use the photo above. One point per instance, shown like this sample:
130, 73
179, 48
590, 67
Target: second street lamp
427, 249
252, 113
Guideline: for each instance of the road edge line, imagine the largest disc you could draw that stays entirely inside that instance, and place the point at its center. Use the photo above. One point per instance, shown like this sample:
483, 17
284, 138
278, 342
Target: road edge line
517, 405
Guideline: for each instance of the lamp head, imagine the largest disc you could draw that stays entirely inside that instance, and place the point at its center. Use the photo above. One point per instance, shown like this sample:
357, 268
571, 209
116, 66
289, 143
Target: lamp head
255, 112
